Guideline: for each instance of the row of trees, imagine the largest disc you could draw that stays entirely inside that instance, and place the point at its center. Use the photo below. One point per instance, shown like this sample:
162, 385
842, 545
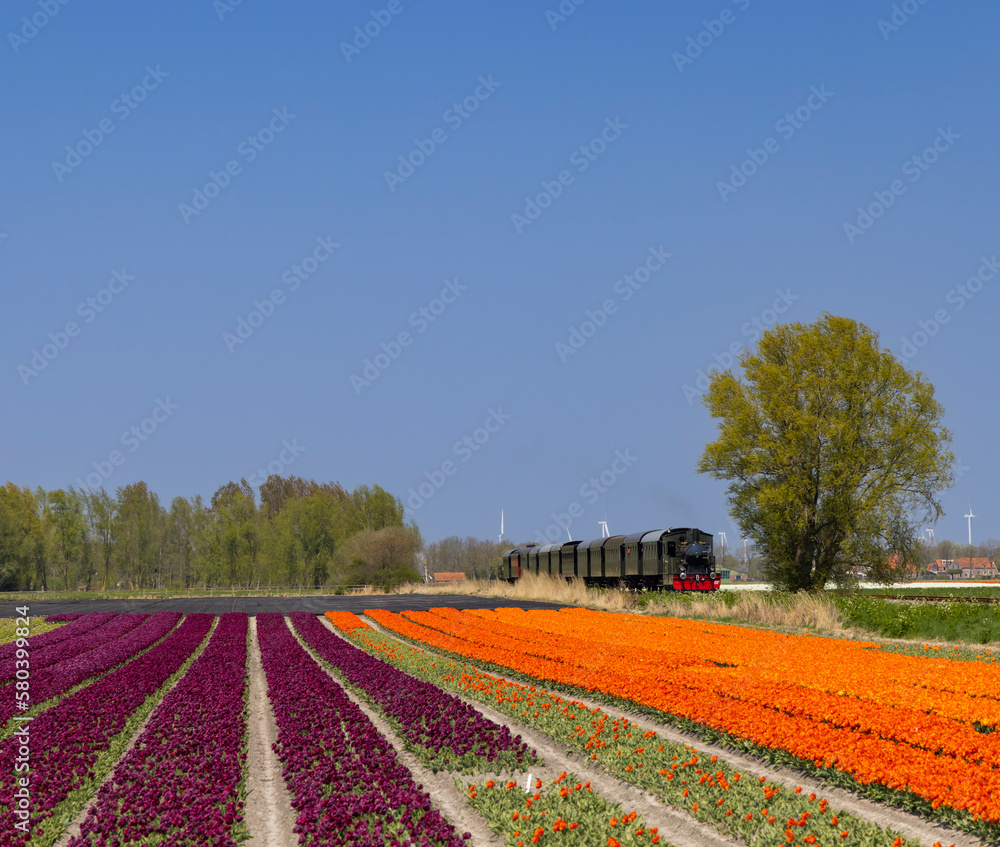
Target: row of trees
291, 532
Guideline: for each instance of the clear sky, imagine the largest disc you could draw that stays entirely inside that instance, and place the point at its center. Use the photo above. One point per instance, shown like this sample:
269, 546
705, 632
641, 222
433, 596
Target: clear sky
340, 239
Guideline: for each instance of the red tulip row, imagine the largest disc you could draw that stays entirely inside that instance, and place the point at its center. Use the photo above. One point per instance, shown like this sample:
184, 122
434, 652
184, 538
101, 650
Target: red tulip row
346, 783
61, 677
80, 625
61, 746
80, 643
179, 783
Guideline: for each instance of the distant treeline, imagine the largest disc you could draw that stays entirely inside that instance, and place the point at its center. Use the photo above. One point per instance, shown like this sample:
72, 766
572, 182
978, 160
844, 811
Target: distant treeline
291, 532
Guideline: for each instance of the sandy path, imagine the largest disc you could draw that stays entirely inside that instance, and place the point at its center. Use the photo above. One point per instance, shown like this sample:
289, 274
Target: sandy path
909, 825
269, 814
676, 827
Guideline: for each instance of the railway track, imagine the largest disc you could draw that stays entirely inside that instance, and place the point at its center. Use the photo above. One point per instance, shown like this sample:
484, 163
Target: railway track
983, 601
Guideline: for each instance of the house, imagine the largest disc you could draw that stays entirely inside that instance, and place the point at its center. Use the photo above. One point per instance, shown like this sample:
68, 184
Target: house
449, 577
974, 568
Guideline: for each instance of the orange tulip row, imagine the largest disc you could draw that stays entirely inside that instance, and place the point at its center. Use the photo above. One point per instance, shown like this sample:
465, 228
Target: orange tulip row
902, 721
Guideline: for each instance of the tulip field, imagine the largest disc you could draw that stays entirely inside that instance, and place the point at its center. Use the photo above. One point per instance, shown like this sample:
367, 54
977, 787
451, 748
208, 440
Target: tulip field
502, 726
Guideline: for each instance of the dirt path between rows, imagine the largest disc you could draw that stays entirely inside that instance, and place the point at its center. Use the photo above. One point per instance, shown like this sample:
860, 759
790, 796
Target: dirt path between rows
270, 817
676, 827
909, 825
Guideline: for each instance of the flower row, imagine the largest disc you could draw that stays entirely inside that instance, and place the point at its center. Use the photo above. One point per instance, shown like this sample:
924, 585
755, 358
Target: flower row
63, 745
346, 783
179, 782
75, 647
47, 639
446, 732
566, 812
60, 677
710, 790
827, 740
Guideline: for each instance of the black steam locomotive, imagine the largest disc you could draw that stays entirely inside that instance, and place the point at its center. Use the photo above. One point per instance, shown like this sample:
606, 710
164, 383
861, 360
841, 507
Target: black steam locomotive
670, 559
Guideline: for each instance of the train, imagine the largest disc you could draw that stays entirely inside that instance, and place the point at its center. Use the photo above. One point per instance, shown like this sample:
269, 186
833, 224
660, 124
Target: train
657, 560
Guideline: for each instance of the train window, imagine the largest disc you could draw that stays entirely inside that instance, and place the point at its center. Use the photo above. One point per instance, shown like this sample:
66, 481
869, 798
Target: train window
671, 548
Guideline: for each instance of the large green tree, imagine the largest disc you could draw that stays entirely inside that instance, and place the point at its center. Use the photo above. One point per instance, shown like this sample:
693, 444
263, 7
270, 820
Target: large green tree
833, 451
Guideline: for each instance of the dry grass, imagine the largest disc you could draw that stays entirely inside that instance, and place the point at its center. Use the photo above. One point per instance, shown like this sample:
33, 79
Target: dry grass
801, 611
796, 611
545, 589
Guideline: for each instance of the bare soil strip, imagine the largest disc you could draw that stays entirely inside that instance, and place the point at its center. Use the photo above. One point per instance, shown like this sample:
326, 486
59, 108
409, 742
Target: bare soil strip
675, 826
270, 818
907, 824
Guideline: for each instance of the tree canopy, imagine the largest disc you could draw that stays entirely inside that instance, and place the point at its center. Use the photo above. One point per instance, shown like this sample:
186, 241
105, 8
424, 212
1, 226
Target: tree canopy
834, 453
94, 539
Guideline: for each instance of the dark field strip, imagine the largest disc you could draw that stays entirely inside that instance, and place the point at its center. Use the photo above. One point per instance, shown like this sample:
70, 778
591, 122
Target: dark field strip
318, 605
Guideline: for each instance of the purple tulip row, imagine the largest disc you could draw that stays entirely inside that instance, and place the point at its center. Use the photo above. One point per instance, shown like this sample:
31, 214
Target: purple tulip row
179, 782
53, 636
455, 735
72, 647
58, 678
64, 742
65, 616
347, 785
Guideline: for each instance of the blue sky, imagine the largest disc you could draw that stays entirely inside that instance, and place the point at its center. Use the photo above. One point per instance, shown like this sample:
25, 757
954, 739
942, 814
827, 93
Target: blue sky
370, 257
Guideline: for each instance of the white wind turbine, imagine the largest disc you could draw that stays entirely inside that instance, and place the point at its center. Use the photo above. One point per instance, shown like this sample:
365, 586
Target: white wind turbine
970, 516
604, 529
500, 540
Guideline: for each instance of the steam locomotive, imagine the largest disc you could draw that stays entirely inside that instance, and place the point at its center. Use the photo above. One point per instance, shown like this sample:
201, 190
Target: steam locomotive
663, 559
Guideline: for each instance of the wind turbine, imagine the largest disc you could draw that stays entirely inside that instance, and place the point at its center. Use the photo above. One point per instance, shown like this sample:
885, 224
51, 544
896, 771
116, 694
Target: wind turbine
930, 535
604, 529
500, 539
722, 535
970, 516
